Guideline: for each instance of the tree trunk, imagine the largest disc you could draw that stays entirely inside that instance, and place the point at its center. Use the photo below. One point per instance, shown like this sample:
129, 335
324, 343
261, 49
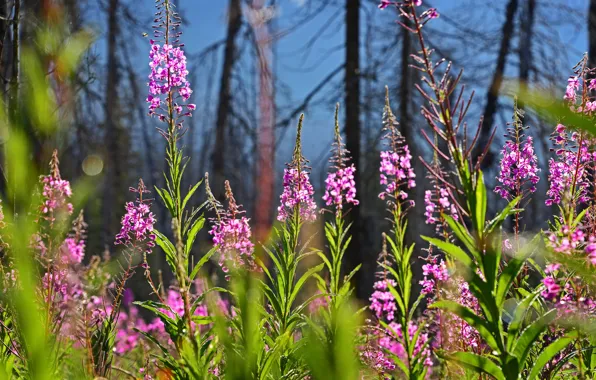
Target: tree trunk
492, 96
355, 253
223, 108
592, 33
266, 134
407, 129
111, 137
527, 20
525, 48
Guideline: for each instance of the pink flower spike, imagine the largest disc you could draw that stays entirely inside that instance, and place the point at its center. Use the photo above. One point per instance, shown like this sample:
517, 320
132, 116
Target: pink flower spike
384, 4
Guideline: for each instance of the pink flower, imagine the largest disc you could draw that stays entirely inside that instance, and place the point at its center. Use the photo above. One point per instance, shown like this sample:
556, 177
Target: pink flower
341, 187
73, 251
591, 250
384, 4
382, 302
552, 288
442, 205
137, 223
572, 87
519, 165
396, 171
232, 235
298, 193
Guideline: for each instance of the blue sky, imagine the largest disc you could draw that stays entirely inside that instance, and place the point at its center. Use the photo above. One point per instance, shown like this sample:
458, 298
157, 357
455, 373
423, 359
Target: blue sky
205, 24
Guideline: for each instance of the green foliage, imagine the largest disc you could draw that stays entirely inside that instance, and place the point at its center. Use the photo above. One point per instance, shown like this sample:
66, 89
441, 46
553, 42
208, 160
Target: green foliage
510, 344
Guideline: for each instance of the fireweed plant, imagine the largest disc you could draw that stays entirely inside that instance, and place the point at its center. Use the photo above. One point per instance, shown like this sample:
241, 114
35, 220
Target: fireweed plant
492, 304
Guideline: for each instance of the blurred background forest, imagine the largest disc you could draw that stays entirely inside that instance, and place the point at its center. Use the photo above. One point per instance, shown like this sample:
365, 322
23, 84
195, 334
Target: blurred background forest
255, 65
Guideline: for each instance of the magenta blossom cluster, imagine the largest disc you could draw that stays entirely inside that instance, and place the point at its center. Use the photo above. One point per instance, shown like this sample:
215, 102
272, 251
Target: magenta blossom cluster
73, 251
385, 3
382, 302
552, 289
568, 169
591, 250
297, 192
392, 342
232, 237
137, 225
519, 165
572, 87
468, 334
2, 223
442, 205
341, 187
56, 192
396, 171
566, 240
433, 273
168, 76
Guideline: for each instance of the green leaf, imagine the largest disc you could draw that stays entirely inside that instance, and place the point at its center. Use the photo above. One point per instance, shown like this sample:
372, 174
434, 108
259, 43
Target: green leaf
480, 211
550, 352
518, 318
202, 262
479, 324
168, 248
531, 334
500, 218
512, 270
302, 280
190, 193
460, 232
452, 250
477, 363
192, 233
556, 111
167, 200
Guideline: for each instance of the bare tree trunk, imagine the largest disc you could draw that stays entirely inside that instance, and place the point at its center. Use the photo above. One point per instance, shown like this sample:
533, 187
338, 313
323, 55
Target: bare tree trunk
409, 132
592, 33
492, 96
525, 48
527, 21
355, 253
113, 167
266, 135
223, 108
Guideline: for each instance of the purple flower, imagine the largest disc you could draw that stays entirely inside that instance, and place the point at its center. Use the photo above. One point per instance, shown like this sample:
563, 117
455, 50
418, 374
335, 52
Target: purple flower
433, 273
392, 341
572, 87
519, 165
591, 250
73, 250
341, 187
1, 214
137, 223
231, 233
565, 240
569, 168
168, 76
384, 4
550, 268
382, 302
56, 192
442, 205
552, 289
396, 171
297, 193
